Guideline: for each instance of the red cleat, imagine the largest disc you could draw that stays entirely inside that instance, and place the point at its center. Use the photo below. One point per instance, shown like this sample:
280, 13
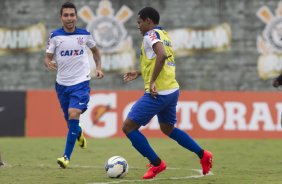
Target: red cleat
206, 162
154, 170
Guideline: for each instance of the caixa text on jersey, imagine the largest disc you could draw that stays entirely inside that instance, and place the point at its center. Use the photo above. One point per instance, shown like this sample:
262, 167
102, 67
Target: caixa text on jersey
71, 52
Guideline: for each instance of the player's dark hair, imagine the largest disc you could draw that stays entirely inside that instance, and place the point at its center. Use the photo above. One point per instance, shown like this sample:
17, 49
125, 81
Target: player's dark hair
151, 13
68, 5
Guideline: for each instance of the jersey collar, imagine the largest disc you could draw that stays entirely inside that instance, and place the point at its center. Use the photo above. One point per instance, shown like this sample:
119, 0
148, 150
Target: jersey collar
158, 27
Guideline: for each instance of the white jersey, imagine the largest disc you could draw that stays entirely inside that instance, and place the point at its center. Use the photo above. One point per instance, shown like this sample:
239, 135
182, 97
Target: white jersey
70, 54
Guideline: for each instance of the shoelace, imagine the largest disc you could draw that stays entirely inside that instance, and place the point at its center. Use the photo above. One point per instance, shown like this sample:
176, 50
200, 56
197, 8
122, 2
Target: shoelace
150, 165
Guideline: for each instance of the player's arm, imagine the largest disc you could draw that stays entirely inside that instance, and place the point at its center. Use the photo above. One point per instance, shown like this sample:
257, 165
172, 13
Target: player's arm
160, 60
129, 76
277, 81
97, 58
49, 63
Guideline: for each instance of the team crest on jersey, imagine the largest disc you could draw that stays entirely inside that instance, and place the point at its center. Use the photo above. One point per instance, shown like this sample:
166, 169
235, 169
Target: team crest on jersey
80, 40
152, 35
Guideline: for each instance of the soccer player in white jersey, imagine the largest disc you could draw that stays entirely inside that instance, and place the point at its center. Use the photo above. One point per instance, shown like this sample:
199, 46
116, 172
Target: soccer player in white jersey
66, 52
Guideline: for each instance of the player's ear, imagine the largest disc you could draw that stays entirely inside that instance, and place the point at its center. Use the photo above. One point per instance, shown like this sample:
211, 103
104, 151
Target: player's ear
148, 20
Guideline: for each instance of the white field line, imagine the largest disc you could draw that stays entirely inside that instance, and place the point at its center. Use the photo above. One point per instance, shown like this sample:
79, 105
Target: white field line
117, 181
5, 165
102, 167
199, 175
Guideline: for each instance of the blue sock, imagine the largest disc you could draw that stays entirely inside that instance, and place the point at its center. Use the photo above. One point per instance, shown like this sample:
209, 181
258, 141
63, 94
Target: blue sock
186, 141
141, 144
73, 132
79, 128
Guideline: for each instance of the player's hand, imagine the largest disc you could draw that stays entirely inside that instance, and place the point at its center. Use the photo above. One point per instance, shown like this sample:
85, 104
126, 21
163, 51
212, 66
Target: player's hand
129, 76
275, 83
51, 65
99, 74
153, 89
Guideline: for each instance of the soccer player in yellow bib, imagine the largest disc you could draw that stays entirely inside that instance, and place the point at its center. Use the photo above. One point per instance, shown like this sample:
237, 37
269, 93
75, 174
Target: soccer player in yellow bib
157, 68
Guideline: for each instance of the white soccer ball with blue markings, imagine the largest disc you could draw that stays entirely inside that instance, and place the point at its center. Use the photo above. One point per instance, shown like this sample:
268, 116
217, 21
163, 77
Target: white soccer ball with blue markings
116, 167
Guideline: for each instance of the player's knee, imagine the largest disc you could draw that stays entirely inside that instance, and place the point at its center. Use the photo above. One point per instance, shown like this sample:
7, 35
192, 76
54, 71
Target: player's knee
74, 113
124, 129
166, 132
129, 126
166, 128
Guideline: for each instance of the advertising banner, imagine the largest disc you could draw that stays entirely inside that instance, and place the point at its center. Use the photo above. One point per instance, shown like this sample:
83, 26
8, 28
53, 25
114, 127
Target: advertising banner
201, 114
28, 39
12, 113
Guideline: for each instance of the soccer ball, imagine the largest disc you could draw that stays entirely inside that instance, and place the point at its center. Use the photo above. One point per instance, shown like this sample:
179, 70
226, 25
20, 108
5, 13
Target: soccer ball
116, 167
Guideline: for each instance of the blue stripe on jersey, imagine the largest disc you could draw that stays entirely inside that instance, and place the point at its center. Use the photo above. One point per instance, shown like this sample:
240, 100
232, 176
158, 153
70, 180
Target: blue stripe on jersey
158, 35
158, 27
61, 32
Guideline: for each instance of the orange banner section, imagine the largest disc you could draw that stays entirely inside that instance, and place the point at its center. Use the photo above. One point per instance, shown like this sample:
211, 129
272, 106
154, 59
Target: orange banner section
201, 114
44, 117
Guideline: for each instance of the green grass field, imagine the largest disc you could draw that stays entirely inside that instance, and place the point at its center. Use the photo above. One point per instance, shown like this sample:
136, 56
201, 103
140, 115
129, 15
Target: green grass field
33, 161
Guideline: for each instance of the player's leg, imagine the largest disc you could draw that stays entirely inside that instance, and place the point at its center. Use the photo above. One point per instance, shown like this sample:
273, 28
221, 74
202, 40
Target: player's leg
63, 99
140, 114
81, 140
141, 144
73, 132
79, 97
167, 119
1, 162
139, 141
183, 139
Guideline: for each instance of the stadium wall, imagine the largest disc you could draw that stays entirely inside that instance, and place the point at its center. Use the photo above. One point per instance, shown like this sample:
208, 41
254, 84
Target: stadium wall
226, 51
219, 44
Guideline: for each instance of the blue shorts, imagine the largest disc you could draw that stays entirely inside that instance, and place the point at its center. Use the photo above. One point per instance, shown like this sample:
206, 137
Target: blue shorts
164, 106
76, 96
